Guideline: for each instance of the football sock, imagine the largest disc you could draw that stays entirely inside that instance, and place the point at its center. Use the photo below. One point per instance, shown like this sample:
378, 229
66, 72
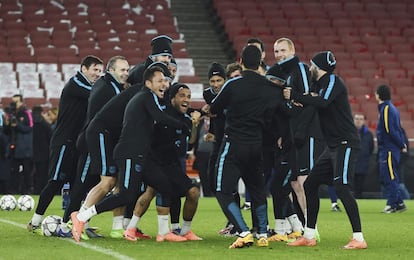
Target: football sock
245, 233
117, 222
163, 224
175, 226
36, 219
87, 214
64, 227
280, 226
83, 208
125, 222
186, 227
295, 223
134, 222
309, 233
358, 236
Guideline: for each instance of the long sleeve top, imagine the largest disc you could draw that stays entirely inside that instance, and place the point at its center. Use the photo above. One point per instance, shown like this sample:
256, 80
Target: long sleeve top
389, 133
334, 111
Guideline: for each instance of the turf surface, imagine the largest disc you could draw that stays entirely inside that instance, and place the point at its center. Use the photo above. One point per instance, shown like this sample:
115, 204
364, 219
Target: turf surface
389, 236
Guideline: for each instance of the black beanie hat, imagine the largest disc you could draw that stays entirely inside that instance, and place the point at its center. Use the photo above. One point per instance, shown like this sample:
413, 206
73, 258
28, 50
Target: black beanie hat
276, 72
161, 45
216, 69
173, 90
173, 62
164, 67
324, 60
251, 57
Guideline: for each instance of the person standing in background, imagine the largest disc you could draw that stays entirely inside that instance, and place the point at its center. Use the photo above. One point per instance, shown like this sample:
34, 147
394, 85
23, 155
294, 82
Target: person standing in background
391, 143
405, 194
42, 132
260, 45
4, 158
173, 67
51, 117
217, 77
202, 151
367, 147
18, 126
233, 70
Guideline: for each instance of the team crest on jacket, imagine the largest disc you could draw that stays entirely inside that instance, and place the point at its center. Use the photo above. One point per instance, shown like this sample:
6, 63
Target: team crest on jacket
112, 169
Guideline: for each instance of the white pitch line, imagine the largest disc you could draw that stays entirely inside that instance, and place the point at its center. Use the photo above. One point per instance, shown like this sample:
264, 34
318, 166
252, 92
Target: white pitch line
98, 249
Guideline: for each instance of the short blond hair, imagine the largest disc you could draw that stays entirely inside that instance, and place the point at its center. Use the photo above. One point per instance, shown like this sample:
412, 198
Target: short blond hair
289, 42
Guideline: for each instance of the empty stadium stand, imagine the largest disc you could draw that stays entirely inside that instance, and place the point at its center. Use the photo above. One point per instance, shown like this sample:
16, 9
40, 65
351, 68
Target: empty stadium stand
372, 41
41, 39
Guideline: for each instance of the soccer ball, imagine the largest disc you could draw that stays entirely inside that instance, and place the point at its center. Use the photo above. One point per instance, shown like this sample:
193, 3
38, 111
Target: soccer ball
50, 225
25, 203
8, 202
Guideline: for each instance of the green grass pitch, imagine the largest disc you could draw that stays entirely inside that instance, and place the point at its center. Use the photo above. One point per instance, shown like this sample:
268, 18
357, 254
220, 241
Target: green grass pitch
389, 236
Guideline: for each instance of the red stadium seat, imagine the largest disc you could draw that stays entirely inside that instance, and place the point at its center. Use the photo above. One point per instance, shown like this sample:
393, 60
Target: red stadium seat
352, 6
395, 73
375, 82
401, 82
366, 64
30, 102
404, 91
54, 102
356, 47
348, 72
408, 32
372, 39
406, 115
364, 22
390, 64
334, 47
356, 82
256, 22
345, 64
408, 124
342, 56
383, 57
189, 79
355, 107
378, 48
360, 91
395, 40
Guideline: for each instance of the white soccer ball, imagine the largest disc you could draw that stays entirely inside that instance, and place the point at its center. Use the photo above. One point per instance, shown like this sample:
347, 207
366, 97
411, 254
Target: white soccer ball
50, 225
8, 202
25, 203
